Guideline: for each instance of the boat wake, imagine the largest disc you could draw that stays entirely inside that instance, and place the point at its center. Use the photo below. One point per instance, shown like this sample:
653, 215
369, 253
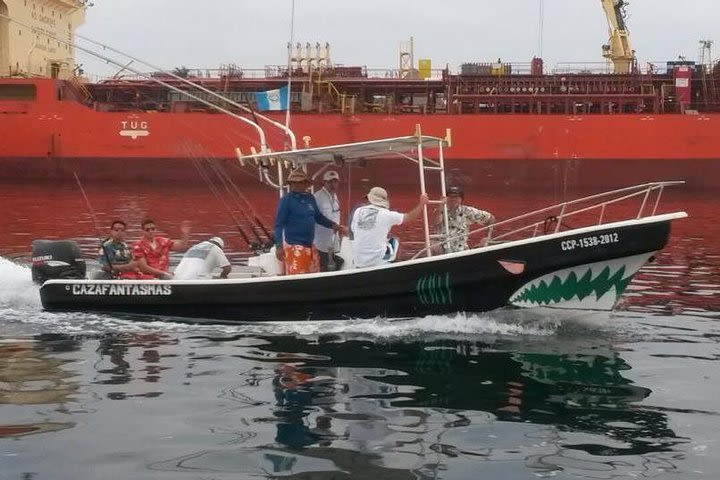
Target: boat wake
17, 290
503, 323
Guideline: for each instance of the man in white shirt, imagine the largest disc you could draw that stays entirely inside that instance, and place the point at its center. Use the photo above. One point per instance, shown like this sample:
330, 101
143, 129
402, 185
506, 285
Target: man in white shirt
200, 261
325, 238
371, 225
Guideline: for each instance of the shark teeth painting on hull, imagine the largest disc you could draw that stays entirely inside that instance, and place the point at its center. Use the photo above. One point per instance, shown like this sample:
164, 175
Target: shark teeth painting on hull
593, 286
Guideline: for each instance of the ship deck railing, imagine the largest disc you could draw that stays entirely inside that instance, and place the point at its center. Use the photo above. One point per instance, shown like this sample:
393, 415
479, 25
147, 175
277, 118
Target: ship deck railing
270, 72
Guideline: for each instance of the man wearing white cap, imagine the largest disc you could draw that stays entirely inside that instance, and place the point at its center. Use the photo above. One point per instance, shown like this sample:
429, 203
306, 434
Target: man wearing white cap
372, 223
325, 238
200, 261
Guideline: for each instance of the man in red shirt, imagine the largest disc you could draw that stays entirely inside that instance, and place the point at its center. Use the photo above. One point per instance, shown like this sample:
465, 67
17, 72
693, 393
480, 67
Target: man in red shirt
152, 252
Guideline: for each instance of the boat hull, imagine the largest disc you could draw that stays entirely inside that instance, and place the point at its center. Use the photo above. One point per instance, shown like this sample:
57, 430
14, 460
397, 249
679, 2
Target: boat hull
586, 268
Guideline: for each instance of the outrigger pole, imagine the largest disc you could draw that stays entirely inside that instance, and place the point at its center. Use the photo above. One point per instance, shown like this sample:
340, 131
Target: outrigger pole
258, 128
242, 107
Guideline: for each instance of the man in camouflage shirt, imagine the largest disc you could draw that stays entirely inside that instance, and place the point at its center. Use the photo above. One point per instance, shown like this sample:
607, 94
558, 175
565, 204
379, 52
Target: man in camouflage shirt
460, 217
114, 255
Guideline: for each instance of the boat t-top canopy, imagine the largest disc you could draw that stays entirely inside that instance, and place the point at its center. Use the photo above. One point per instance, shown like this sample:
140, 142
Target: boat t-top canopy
350, 152
409, 148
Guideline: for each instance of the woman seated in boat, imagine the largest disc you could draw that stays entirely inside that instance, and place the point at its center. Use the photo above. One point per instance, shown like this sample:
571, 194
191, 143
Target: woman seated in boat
371, 225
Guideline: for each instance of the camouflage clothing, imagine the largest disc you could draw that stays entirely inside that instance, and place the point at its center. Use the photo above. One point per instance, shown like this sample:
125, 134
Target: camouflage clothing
459, 226
117, 252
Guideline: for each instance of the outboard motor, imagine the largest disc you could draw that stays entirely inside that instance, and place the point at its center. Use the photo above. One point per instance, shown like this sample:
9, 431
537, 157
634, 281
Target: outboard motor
56, 259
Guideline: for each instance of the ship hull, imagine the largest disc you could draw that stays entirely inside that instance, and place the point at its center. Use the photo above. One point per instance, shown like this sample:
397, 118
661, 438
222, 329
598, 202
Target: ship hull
49, 139
495, 175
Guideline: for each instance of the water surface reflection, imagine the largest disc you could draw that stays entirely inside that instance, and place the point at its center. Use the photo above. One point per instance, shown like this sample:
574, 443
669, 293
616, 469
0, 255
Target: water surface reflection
334, 406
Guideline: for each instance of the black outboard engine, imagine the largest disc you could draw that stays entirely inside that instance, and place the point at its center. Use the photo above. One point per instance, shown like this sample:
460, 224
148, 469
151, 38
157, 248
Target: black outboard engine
56, 259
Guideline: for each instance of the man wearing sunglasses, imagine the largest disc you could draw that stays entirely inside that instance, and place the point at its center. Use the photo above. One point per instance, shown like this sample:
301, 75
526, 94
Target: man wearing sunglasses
152, 251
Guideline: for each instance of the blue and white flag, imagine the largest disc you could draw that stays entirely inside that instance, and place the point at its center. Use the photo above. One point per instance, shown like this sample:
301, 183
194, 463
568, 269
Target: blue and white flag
272, 99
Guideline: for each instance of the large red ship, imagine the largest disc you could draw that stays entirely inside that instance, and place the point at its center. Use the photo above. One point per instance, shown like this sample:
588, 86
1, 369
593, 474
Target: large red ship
511, 124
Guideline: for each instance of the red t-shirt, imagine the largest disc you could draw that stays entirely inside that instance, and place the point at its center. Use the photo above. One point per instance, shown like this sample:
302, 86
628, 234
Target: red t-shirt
157, 257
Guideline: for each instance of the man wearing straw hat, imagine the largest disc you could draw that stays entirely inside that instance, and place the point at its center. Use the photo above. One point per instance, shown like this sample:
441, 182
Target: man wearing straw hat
295, 220
371, 225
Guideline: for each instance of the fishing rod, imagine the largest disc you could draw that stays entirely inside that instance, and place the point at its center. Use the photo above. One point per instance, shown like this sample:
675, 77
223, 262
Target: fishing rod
87, 203
226, 183
208, 181
254, 220
247, 202
252, 245
224, 176
94, 220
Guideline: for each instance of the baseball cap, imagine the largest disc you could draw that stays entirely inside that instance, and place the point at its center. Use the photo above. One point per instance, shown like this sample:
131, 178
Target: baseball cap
217, 241
454, 190
331, 175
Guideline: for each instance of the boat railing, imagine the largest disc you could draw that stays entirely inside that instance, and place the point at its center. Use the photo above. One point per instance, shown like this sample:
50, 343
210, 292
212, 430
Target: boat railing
550, 220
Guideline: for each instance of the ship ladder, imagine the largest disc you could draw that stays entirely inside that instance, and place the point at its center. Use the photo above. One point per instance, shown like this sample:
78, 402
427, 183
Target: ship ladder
80, 87
327, 88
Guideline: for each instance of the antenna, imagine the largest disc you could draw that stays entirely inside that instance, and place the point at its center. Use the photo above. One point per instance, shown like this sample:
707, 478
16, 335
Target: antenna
289, 60
541, 27
407, 59
706, 53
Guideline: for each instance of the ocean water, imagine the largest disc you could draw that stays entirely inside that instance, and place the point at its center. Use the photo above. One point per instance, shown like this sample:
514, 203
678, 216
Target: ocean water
508, 394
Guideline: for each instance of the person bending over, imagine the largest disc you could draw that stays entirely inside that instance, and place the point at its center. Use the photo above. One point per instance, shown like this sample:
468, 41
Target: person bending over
202, 259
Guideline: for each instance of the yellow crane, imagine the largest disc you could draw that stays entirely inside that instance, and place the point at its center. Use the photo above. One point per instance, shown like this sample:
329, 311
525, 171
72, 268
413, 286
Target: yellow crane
618, 49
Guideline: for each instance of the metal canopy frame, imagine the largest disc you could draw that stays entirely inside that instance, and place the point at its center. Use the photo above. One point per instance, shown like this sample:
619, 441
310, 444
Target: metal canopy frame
350, 152
410, 148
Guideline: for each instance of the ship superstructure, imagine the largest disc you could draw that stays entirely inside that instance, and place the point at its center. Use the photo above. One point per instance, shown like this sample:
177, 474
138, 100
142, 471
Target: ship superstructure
37, 51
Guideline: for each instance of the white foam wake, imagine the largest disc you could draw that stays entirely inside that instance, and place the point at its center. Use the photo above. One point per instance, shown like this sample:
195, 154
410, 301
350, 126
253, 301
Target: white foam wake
17, 290
460, 324
20, 300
